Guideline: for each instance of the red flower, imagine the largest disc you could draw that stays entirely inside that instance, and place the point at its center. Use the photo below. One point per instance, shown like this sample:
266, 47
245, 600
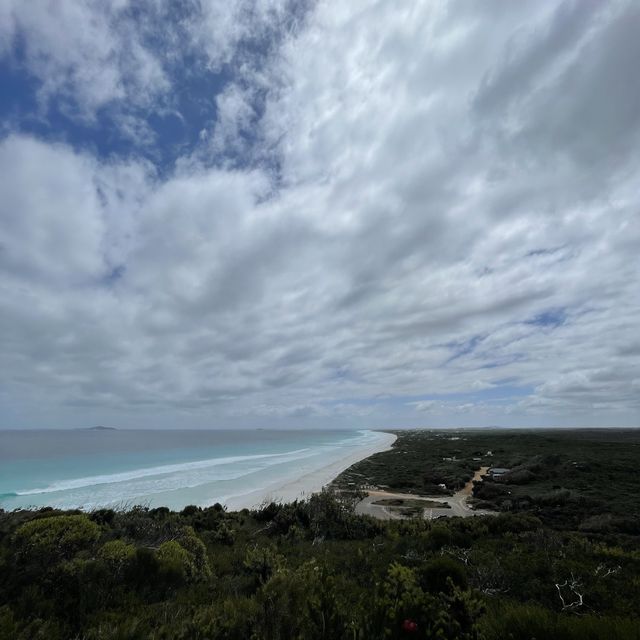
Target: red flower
409, 626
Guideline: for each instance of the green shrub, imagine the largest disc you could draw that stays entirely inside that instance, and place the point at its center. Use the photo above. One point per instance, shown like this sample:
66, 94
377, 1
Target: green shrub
55, 537
263, 561
526, 622
8, 627
439, 536
175, 563
117, 555
442, 574
189, 541
233, 619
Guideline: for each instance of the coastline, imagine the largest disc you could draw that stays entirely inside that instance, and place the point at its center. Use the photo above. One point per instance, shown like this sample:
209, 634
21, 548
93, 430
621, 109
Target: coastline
237, 470
309, 483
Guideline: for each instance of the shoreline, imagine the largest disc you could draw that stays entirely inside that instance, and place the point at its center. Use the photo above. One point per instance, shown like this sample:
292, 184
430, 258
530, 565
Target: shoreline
290, 477
309, 483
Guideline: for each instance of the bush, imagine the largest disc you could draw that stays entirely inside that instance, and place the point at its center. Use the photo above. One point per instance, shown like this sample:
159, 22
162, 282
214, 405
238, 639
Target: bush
438, 537
262, 562
144, 568
189, 541
513, 523
445, 616
103, 516
8, 627
55, 537
488, 490
518, 476
524, 622
117, 555
442, 574
183, 560
302, 604
175, 564
233, 619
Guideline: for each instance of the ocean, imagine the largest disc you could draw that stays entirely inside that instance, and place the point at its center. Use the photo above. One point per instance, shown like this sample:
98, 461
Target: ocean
89, 469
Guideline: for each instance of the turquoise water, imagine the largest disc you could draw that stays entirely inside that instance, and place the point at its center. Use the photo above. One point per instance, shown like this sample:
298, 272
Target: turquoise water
95, 468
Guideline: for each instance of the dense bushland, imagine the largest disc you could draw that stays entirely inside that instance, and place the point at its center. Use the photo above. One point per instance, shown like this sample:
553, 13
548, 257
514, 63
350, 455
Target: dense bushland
574, 479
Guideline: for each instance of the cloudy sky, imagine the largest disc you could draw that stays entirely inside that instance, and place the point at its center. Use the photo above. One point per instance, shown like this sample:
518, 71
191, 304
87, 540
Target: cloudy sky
307, 214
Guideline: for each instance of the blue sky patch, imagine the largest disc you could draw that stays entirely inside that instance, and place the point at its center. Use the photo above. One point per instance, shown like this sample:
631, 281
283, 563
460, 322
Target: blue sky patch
550, 318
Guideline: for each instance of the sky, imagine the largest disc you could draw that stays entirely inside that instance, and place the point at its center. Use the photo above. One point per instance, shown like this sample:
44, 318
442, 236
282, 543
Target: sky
295, 214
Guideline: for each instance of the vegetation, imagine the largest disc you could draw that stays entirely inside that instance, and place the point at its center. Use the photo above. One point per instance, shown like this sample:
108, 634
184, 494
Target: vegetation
573, 479
566, 566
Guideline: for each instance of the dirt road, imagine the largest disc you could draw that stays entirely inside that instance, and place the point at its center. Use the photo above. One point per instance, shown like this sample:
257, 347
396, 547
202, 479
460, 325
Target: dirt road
457, 503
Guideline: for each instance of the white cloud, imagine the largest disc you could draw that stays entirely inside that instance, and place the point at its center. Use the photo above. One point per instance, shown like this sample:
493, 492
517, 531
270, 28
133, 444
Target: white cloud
437, 191
122, 56
52, 227
86, 53
235, 117
425, 405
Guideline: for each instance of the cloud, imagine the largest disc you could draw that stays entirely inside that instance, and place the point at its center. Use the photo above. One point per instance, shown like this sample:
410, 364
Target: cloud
131, 65
424, 405
391, 205
221, 30
86, 53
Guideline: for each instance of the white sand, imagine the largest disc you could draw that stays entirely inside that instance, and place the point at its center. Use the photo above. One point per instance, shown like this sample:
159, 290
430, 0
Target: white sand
310, 483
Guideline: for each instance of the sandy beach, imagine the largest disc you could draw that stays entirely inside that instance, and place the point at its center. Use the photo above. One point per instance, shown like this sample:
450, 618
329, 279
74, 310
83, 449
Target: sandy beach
311, 482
